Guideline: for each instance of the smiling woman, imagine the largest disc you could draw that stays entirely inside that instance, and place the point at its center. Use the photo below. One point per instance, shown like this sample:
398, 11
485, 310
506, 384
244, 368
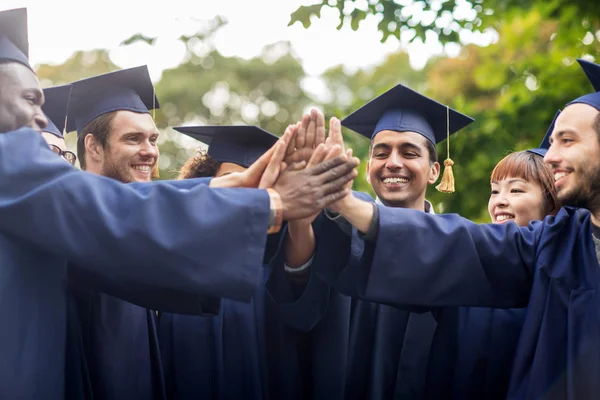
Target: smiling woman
522, 189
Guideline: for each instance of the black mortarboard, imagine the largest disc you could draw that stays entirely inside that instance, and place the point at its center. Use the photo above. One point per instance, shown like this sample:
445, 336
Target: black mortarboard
593, 73
14, 42
545, 145
402, 109
241, 145
55, 107
128, 89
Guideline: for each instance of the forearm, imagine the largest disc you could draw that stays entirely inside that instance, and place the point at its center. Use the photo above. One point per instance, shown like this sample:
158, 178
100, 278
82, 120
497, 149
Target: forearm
358, 212
299, 244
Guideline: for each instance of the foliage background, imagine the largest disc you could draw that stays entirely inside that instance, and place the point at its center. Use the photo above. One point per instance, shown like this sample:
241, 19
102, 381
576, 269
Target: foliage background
512, 87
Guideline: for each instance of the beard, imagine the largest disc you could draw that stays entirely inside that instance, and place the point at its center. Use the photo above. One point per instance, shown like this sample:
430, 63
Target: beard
117, 171
587, 194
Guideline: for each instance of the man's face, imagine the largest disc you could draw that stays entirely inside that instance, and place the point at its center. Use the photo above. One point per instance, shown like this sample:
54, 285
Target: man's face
399, 169
21, 99
574, 157
131, 151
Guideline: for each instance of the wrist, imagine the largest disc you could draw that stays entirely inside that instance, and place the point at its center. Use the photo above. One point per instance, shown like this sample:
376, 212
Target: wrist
275, 211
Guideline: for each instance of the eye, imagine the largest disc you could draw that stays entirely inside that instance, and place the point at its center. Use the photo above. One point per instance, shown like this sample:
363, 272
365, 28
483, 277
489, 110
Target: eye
515, 190
154, 139
411, 155
380, 155
494, 192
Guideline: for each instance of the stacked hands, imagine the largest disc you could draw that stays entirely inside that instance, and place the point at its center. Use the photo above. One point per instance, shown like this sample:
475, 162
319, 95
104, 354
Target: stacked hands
308, 169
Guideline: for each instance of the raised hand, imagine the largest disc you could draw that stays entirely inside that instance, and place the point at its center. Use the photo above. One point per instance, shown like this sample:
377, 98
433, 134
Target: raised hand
306, 192
311, 133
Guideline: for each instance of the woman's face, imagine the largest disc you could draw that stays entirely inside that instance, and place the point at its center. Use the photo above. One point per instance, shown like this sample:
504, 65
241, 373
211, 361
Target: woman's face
518, 200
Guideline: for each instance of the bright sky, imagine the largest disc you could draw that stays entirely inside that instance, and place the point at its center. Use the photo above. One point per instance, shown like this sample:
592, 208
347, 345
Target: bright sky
57, 28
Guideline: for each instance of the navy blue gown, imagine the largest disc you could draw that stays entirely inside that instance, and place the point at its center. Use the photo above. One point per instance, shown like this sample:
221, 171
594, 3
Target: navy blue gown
52, 214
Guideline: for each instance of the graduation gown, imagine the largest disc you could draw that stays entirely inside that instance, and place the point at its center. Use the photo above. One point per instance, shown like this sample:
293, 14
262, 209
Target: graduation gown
384, 351
550, 266
473, 352
51, 213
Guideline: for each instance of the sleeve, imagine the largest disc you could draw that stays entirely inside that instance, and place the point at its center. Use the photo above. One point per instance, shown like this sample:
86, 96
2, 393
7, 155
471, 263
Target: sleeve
160, 299
203, 240
446, 260
300, 304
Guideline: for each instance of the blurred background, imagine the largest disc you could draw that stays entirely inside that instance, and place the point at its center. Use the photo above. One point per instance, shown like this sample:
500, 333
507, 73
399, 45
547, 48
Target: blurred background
509, 64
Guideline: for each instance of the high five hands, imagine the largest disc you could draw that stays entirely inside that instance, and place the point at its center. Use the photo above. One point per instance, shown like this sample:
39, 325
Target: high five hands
306, 169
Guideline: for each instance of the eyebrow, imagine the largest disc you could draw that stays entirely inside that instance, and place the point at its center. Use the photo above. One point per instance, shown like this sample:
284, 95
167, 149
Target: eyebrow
562, 133
403, 146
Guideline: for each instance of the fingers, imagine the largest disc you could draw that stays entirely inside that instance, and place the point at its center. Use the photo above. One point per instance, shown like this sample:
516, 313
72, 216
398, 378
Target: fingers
318, 156
320, 128
329, 174
301, 135
335, 132
311, 129
297, 166
326, 165
339, 184
292, 144
275, 161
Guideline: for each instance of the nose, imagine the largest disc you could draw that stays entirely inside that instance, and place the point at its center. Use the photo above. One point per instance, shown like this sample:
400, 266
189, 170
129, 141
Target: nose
552, 156
394, 161
149, 149
500, 200
40, 121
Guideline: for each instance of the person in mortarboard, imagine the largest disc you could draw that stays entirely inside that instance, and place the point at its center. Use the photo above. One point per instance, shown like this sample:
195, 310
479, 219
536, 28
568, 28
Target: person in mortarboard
55, 109
388, 348
549, 266
117, 234
474, 347
225, 355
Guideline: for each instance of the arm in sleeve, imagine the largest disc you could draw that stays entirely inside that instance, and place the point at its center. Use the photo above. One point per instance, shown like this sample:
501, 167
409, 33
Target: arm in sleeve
203, 240
446, 260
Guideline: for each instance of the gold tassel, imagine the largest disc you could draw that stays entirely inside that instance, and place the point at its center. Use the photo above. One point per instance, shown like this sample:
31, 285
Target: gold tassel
155, 171
447, 183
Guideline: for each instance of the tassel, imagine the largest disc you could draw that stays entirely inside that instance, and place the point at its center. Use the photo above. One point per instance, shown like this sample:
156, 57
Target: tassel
155, 171
447, 183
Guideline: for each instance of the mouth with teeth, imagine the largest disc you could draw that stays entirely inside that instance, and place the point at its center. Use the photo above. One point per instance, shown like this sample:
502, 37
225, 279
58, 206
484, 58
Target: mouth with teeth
558, 177
500, 218
143, 169
395, 181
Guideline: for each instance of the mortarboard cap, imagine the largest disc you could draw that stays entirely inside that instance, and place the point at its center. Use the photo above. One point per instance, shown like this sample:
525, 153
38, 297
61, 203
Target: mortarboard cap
128, 89
545, 145
14, 42
241, 145
402, 109
55, 107
593, 73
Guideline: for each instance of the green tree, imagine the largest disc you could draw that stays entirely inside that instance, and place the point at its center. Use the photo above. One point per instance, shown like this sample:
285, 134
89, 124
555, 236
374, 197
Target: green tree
446, 18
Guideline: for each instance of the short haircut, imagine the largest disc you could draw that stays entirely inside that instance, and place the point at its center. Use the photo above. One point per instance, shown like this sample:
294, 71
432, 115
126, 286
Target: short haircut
100, 128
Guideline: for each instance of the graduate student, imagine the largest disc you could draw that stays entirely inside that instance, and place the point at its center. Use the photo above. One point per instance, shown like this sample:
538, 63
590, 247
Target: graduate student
388, 348
223, 355
551, 266
474, 347
118, 232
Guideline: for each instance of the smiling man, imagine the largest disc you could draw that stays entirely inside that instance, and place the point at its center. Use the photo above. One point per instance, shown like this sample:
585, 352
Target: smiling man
116, 135
550, 266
